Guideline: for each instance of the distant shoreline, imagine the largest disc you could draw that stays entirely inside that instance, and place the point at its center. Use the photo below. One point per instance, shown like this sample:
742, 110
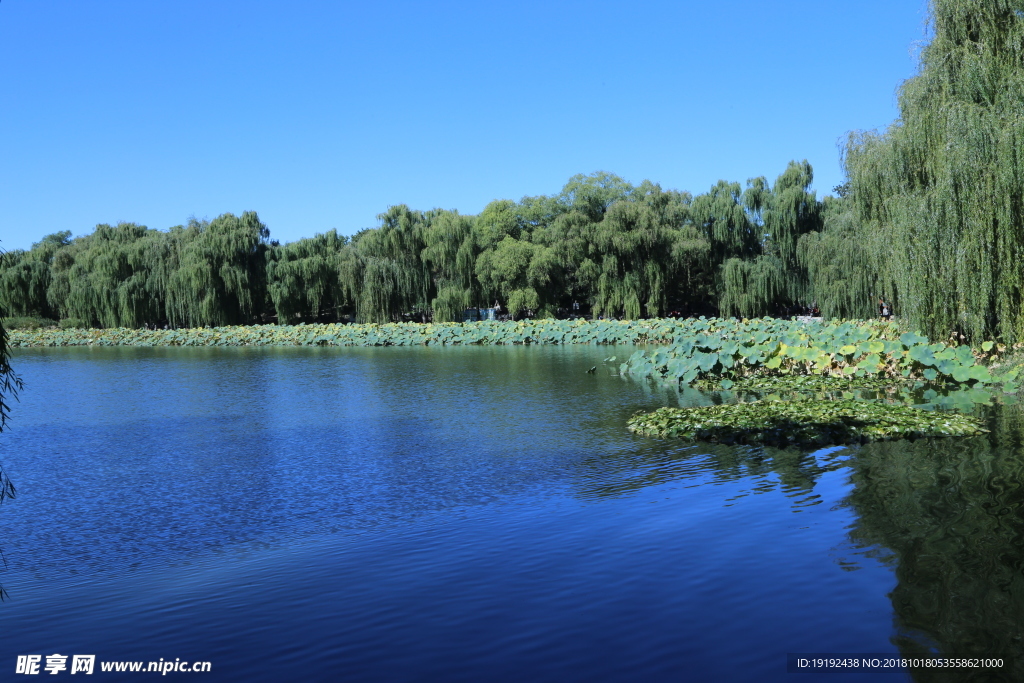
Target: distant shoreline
545, 331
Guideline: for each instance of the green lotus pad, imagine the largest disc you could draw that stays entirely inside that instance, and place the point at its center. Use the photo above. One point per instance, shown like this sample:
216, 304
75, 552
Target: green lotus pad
799, 383
804, 422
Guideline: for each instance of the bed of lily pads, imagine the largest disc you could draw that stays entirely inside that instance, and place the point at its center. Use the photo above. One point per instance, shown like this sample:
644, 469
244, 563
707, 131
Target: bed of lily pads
800, 383
650, 331
805, 422
731, 353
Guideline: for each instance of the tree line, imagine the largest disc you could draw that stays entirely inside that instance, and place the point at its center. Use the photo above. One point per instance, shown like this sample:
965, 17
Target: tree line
931, 218
618, 249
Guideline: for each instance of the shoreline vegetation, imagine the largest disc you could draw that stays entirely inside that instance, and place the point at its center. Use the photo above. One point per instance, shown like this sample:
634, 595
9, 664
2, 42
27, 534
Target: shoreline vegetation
657, 331
707, 353
819, 365
725, 356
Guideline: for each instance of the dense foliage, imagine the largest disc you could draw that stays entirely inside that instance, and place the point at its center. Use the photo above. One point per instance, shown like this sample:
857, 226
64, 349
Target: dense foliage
612, 248
10, 383
729, 353
935, 213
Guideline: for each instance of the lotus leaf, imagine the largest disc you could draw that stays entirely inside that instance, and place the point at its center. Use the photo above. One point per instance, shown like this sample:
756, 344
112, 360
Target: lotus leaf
980, 373
961, 374
923, 355
707, 361
911, 339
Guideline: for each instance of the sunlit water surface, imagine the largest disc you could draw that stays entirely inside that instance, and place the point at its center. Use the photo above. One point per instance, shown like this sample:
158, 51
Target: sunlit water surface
476, 514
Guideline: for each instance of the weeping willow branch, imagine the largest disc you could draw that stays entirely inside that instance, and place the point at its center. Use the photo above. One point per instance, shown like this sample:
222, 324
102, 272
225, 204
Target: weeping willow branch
941, 192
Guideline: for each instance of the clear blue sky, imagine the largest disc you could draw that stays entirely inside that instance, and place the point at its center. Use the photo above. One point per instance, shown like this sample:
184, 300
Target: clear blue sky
320, 115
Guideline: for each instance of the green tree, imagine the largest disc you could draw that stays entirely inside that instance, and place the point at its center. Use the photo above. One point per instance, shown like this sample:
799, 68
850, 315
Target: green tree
758, 278
219, 278
506, 270
640, 246
394, 279
303, 277
25, 277
941, 191
449, 255
842, 270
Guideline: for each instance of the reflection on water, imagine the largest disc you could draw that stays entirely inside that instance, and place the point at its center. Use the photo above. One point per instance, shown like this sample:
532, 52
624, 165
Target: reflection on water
949, 514
761, 469
946, 514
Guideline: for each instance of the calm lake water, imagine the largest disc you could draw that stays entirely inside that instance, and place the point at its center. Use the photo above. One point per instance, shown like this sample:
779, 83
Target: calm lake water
477, 514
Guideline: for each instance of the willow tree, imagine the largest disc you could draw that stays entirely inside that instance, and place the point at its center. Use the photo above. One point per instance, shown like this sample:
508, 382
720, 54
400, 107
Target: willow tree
103, 278
449, 254
10, 383
302, 277
509, 270
25, 277
722, 218
752, 287
571, 260
394, 279
640, 245
220, 276
942, 190
763, 277
842, 270
789, 211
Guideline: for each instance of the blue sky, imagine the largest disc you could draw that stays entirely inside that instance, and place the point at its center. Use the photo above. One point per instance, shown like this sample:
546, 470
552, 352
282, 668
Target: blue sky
320, 115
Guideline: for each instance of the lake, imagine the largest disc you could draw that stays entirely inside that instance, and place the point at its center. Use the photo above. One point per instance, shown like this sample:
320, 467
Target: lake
478, 514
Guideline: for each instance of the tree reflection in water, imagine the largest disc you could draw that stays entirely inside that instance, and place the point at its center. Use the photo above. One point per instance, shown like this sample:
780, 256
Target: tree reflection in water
951, 514
946, 514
